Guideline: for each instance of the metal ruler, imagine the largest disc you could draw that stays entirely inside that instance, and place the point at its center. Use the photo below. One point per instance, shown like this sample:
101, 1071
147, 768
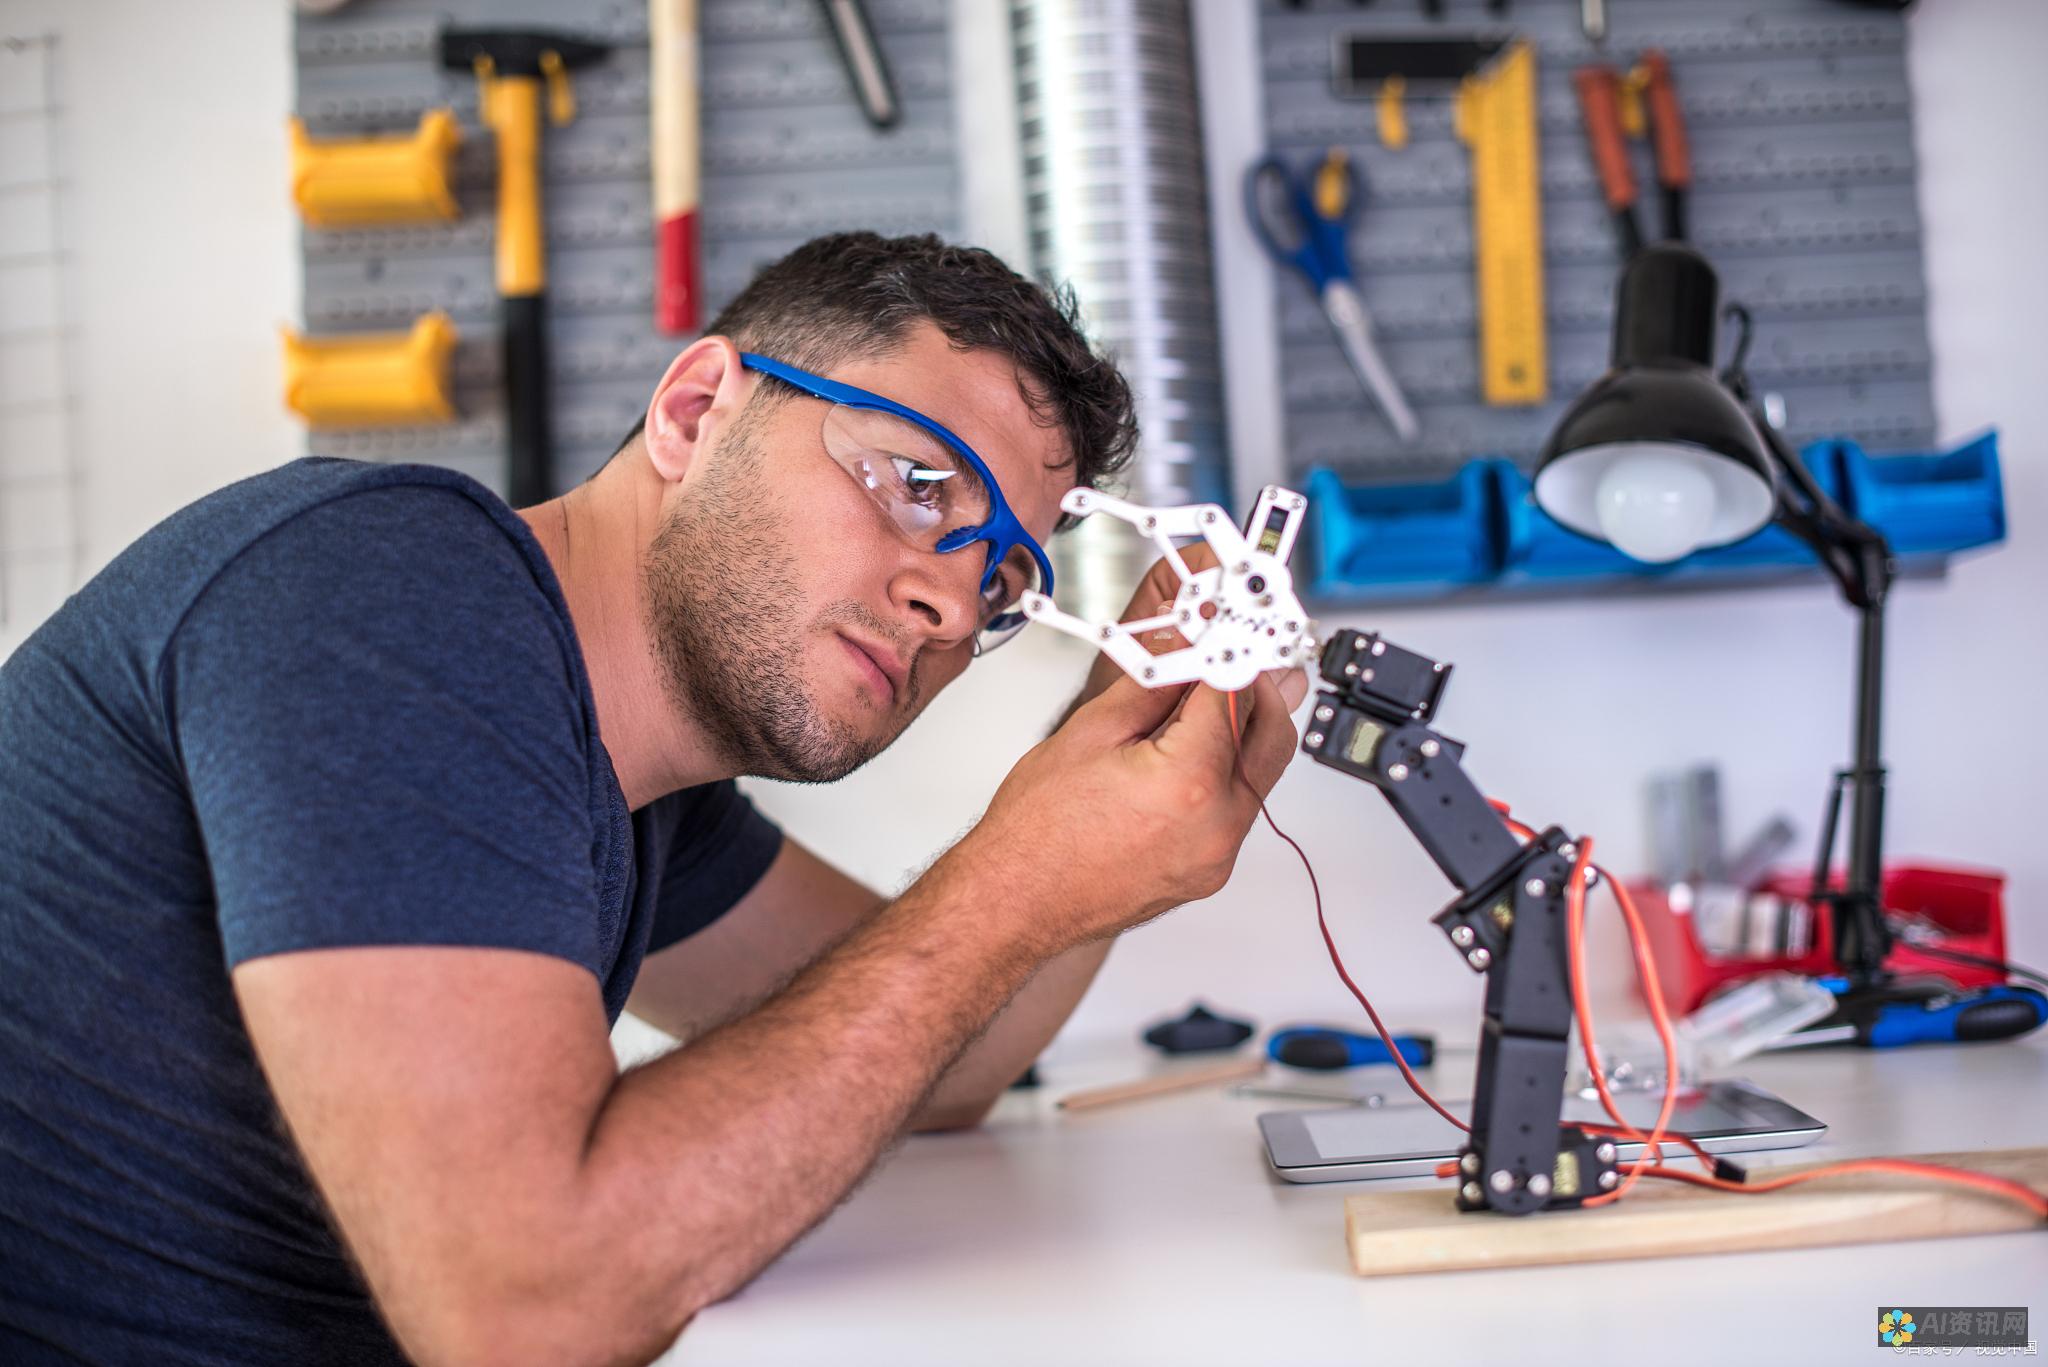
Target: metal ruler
1496, 118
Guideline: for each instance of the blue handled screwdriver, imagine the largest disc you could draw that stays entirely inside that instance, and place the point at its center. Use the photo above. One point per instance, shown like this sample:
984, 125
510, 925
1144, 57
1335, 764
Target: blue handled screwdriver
1888, 1020
1322, 1047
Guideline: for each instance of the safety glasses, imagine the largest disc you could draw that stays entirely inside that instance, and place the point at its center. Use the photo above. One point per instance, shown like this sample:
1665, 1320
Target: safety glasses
934, 490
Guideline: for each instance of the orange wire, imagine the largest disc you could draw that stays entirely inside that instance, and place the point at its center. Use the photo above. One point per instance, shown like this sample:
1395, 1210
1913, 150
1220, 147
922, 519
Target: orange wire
1650, 1163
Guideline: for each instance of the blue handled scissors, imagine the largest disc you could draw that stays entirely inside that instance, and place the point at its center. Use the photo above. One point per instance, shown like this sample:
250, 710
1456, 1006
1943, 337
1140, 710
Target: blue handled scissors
1305, 222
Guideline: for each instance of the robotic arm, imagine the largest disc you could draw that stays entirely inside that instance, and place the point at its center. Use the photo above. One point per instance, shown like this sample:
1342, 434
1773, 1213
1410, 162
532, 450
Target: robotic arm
1371, 720
1240, 617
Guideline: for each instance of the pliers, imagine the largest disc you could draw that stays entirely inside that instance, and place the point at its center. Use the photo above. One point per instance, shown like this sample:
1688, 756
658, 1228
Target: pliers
1601, 89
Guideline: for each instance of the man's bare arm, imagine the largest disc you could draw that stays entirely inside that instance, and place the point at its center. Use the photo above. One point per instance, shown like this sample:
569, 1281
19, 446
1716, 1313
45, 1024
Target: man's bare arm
510, 1198
800, 908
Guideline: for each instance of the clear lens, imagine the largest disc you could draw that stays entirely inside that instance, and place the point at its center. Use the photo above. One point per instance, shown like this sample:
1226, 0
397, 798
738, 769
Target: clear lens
924, 485
1002, 617
928, 490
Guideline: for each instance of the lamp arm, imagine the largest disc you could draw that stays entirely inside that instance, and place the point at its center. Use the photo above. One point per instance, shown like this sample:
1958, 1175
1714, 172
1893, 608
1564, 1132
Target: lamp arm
1859, 558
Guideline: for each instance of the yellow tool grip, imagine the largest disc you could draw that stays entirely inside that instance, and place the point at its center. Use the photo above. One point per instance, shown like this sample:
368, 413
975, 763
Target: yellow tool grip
511, 107
362, 182
373, 379
1333, 185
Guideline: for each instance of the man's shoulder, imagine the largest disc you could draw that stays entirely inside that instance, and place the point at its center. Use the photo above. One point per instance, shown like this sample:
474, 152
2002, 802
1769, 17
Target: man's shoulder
433, 532
408, 506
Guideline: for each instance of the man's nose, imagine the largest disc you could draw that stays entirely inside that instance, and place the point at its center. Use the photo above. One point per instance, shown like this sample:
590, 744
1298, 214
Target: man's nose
941, 593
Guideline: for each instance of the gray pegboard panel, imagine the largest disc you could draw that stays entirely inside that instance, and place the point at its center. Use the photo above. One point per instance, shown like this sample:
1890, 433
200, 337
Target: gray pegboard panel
786, 156
1800, 119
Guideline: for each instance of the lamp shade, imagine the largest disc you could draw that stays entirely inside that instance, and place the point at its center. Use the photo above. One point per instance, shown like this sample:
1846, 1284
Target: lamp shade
1657, 456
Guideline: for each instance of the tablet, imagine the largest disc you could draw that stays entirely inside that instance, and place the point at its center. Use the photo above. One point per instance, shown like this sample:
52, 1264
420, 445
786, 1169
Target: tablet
1409, 1139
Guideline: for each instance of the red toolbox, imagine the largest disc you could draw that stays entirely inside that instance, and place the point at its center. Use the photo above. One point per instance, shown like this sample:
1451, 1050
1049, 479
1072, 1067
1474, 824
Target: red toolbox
1968, 904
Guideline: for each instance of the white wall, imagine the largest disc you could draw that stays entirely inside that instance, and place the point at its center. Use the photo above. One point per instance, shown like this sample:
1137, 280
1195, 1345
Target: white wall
182, 261
181, 252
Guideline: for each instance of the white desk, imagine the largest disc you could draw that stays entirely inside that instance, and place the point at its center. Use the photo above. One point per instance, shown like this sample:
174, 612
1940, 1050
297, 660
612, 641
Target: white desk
1154, 1232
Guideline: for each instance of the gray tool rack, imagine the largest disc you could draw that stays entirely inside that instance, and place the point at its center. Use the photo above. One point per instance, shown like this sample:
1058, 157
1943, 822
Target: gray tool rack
786, 156
1803, 163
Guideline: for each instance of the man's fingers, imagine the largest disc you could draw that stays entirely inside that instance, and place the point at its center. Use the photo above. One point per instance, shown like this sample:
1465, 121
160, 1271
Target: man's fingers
1293, 685
1199, 733
1269, 736
1127, 710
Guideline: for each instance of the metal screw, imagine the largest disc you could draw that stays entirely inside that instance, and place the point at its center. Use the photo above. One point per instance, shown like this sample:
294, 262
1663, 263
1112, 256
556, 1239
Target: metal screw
1151, 523
1429, 749
1314, 738
1479, 958
1107, 633
1351, 668
1186, 616
1534, 887
1605, 1153
1397, 772
1501, 1180
1472, 1194
1294, 626
1366, 676
1608, 1181
1149, 671
1462, 936
1592, 875
1379, 647
1539, 1185
1469, 1164
1568, 851
1209, 516
1325, 713
1358, 643
1285, 651
1243, 567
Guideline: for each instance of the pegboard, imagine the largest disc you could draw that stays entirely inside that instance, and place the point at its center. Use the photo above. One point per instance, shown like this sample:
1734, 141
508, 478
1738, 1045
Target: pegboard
786, 155
1803, 198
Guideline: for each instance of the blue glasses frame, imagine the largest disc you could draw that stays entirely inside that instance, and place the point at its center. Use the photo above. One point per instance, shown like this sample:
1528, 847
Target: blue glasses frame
1001, 531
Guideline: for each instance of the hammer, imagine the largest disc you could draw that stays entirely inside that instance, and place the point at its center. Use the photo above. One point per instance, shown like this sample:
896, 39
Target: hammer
511, 67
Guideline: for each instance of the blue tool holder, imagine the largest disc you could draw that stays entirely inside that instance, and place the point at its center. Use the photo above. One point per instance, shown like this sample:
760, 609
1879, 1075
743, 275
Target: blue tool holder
1482, 526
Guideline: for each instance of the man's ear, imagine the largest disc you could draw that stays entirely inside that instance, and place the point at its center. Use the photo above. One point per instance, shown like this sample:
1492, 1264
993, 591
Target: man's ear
704, 386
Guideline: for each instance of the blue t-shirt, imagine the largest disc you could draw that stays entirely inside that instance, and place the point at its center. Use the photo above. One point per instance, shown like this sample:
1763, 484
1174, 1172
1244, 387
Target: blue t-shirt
336, 704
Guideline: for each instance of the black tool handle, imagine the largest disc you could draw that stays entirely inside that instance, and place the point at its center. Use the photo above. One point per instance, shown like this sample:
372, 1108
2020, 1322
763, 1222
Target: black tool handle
529, 438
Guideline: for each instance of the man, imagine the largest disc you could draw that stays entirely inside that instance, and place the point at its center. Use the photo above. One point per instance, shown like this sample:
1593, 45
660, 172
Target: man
340, 811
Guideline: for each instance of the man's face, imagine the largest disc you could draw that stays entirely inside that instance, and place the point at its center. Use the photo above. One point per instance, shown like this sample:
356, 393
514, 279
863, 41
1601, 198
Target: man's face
795, 624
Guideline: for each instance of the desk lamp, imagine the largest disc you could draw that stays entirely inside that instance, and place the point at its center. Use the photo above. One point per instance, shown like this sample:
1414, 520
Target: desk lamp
1662, 457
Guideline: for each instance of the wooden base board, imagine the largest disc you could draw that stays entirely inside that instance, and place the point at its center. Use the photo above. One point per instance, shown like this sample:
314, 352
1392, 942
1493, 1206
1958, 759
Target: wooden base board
1422, 1231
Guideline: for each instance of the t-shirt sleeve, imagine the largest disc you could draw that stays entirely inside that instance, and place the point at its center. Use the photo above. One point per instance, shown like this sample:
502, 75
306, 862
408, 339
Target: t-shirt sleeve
720, 847
375, 709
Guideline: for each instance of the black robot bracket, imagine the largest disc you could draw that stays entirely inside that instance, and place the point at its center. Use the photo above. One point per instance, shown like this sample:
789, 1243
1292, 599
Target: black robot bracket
1372, 720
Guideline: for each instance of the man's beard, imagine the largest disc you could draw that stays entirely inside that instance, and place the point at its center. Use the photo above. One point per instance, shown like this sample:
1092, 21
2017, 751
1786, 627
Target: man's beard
722, 610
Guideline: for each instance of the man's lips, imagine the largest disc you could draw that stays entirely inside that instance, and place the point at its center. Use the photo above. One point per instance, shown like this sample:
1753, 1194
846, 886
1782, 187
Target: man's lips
887, 669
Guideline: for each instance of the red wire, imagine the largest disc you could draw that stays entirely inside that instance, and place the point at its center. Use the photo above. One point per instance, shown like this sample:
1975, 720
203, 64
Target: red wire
1323, 924
1650, 1163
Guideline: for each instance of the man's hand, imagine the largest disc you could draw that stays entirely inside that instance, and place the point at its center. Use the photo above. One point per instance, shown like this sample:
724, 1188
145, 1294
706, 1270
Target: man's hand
1136, 805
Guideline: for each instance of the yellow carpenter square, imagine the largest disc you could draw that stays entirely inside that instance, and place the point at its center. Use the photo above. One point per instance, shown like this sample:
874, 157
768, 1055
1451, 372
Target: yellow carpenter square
364, 182
1496, 116
380, 379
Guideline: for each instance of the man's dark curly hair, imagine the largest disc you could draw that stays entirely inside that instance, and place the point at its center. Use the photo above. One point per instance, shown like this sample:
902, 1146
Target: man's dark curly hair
851, 295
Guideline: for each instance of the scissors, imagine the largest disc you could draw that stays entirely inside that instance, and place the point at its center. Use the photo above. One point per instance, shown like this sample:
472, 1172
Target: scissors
1305, 224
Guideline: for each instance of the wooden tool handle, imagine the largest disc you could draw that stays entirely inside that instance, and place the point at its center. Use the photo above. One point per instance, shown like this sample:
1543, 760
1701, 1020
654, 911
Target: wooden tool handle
674, 154
1599, 91
1185, 1079
1667, 123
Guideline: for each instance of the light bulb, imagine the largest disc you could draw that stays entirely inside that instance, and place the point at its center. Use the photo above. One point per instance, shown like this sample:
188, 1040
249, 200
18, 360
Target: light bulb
1655, 505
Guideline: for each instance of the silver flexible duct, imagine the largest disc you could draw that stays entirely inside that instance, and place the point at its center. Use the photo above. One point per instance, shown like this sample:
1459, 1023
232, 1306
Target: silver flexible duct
1117, 203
